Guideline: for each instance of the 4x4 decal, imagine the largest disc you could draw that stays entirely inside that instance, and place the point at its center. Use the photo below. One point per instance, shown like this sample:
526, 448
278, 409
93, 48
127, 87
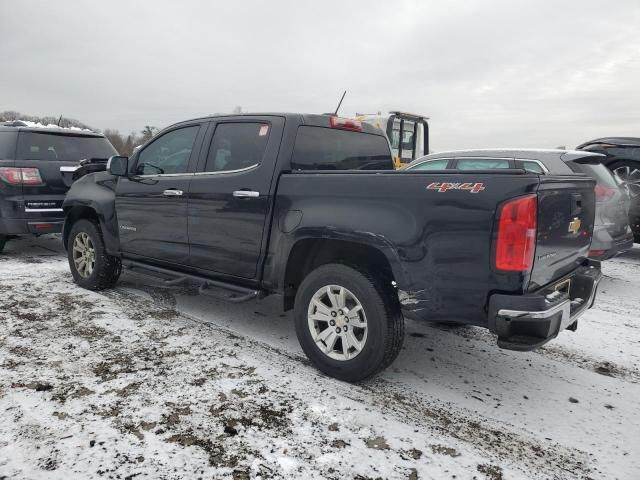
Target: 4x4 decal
444, 186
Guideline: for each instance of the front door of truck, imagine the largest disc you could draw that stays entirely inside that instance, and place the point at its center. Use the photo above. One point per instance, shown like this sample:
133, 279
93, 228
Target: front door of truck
151, 204
229, 199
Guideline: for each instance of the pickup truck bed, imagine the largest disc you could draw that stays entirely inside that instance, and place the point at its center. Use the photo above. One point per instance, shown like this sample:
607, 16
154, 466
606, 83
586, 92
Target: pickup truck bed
321, 219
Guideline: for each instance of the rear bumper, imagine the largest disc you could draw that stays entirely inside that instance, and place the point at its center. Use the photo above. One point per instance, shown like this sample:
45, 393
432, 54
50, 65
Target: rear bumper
31, 214
618, 247
611, 246
21, 226
526, 322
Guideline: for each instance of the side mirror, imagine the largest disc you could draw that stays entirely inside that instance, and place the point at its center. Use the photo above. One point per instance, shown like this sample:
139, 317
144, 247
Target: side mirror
118, 165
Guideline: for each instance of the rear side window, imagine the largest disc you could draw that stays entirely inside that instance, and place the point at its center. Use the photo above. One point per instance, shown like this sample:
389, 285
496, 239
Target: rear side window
236, 146
481, 163
319, 148
52, 146
440, 164
533, 167
8, 145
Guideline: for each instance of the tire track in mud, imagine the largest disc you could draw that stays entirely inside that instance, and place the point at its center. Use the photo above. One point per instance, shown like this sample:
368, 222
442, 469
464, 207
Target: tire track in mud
167, 296
498, 440
563, 355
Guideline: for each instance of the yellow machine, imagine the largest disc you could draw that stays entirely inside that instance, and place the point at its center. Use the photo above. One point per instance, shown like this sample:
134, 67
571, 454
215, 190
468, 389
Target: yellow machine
408, 134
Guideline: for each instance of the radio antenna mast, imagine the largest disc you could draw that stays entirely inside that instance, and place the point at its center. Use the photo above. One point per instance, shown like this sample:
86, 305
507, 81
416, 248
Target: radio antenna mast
340, 103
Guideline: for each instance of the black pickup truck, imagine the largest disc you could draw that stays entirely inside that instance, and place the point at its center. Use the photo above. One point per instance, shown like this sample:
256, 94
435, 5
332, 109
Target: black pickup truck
309, 208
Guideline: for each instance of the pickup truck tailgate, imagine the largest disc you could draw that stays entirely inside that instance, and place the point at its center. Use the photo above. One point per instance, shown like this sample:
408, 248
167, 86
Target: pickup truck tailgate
566, 211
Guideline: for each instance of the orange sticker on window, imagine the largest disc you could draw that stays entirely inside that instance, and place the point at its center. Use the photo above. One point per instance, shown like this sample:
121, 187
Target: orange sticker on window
264, 130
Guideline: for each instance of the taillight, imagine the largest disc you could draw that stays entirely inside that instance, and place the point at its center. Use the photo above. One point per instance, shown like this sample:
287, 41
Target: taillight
516, 242
345, 124
596, 253
604, 193
20, 176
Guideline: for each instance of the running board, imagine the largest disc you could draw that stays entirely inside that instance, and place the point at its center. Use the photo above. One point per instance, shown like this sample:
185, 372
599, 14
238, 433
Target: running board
240, 294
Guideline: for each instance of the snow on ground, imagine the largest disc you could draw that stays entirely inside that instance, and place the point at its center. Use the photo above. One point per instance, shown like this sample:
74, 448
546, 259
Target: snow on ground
151, 382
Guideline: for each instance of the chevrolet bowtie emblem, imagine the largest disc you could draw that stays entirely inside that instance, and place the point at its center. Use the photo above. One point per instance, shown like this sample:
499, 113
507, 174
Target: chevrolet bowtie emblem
574, 225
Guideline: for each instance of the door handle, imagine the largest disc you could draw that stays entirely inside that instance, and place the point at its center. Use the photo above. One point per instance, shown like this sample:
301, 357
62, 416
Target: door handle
246, 194
172, 192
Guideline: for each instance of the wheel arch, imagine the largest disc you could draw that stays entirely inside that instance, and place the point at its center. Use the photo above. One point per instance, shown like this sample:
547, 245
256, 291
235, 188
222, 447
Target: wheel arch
88, 212
307, 254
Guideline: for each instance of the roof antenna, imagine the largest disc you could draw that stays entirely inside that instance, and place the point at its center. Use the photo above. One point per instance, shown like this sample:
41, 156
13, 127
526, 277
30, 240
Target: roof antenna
340, 103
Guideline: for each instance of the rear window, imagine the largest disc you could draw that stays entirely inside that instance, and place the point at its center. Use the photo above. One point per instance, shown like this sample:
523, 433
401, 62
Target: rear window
601, 174
319, 148
7, 145
51, 146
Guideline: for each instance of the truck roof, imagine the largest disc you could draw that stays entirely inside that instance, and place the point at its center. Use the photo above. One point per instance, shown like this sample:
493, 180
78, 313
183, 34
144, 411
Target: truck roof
311, 119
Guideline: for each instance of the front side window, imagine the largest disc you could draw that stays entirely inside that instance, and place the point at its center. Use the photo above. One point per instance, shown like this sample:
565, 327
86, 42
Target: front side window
440, 164
319, 148
236, 146
482, 163
169, 153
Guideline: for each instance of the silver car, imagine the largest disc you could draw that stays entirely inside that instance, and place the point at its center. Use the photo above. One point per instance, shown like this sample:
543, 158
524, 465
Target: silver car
611, 234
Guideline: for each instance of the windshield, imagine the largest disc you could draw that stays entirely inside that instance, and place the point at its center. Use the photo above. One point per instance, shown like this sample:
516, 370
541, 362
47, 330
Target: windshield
57, 147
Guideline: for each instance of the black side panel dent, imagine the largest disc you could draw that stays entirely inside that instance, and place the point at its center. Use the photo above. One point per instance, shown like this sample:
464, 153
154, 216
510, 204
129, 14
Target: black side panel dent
94, 195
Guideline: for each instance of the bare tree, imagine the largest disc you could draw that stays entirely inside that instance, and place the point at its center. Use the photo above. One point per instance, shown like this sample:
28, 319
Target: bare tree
116, 139
148, 132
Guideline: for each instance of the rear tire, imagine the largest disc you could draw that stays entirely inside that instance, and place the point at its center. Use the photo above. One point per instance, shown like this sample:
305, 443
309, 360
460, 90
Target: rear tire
91, 266
365, 312
3, 242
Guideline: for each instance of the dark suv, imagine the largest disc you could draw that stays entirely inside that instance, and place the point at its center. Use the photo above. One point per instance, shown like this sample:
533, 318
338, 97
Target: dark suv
623, 159
36, 169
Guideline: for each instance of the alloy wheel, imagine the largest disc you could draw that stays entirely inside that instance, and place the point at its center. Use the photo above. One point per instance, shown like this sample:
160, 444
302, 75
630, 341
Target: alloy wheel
84, 254
631, 176
337, 322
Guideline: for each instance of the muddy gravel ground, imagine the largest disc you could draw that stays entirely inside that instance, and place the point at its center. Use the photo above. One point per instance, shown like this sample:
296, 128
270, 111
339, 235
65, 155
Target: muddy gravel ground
145, 381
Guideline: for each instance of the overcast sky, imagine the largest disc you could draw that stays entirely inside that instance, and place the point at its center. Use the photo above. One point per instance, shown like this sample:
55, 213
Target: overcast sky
488, 73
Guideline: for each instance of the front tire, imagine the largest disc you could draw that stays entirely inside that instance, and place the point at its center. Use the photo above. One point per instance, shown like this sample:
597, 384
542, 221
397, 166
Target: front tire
91, 266
348, 323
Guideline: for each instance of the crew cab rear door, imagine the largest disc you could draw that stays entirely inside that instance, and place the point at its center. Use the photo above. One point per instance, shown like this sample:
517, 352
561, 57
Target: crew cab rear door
230, 199
151, 204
